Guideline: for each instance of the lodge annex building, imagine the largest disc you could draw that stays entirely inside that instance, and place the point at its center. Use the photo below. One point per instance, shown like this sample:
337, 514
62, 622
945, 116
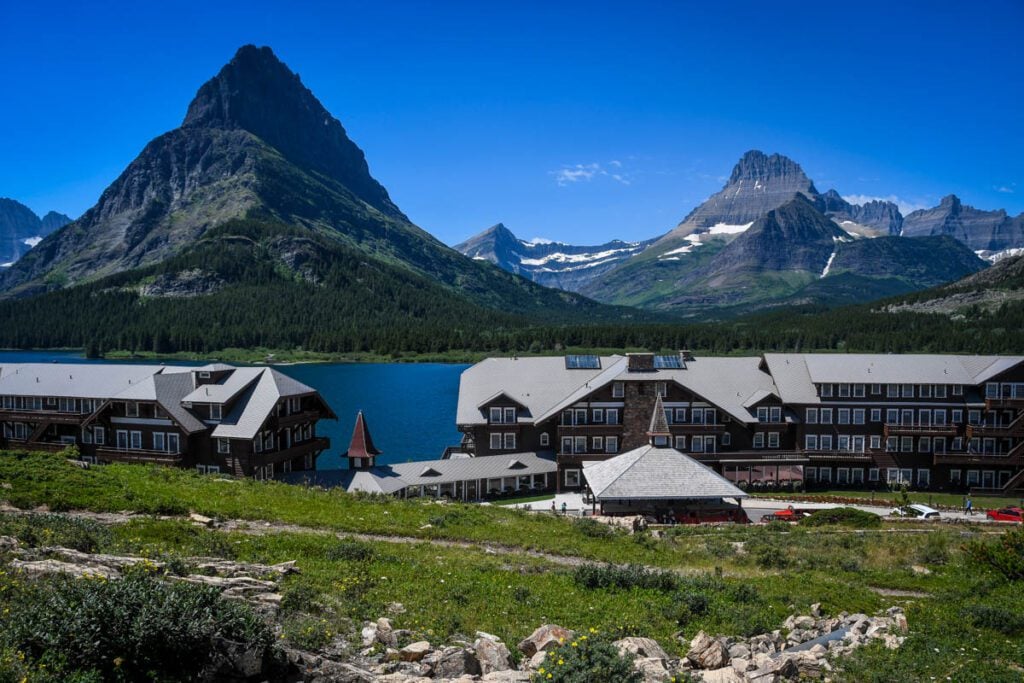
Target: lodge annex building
244, 421
935, 422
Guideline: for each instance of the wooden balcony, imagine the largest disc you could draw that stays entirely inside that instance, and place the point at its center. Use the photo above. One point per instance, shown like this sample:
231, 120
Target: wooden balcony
137, 455
1013, 458
313, 446
920, 430
866, 455
282, 421
23, 444
35, 416
595, 429
1004, 402
1015, 428
694, 428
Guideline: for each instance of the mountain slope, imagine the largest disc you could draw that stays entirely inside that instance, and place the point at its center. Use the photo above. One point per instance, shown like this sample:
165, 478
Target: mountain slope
980, 230
256, 144
21, 228
552, 264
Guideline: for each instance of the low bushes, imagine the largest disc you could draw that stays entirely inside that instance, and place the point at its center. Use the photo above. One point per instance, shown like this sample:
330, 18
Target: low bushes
995, 618
587, 659
848, 517
50, 530
625, 578
1004, 555
132, 629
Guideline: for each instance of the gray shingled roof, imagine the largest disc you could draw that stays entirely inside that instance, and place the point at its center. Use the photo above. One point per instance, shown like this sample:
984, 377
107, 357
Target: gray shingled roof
656, 473
79, 380
659, 421
796, 373
391, 478
257, 401
546, 387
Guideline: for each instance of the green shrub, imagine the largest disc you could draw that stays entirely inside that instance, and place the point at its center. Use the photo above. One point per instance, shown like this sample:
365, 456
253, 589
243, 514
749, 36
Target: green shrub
1005, 554
351, 550
994, 618
588, 659
308, 633
55, 530
686, 606
299, 597
848, 517
128, 629
935, 549
592, 528
624, 578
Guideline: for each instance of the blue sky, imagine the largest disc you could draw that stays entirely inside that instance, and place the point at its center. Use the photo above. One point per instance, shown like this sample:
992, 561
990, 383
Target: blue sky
572, 121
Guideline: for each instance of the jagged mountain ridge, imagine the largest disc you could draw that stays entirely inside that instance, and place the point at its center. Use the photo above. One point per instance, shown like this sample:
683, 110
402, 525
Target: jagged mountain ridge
256, 144
984, 231
21, 228
552, 264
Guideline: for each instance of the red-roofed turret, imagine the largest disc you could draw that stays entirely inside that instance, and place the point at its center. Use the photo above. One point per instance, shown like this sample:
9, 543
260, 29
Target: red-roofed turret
361, 452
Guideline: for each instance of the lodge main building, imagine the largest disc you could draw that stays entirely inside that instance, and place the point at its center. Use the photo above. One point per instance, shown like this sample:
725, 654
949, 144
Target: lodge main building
936, 422
245, 421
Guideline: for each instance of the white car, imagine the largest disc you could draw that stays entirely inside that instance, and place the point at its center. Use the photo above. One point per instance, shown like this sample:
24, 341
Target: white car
915, 511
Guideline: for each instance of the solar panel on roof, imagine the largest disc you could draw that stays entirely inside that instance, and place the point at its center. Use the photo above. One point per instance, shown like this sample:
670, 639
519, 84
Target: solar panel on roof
668, 362
582, 363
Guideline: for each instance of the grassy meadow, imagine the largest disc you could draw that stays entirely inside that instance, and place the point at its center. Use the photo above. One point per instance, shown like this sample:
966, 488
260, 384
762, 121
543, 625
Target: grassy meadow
964, 615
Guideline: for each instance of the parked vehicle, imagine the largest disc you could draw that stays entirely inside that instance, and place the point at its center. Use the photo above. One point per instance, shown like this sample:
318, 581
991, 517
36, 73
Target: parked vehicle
915, 511
1011, 514
789, 514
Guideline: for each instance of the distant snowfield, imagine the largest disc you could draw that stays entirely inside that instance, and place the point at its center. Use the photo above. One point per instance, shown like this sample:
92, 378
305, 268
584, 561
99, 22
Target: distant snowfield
577, 261
695, 239
997, 256
32, 241
6, 265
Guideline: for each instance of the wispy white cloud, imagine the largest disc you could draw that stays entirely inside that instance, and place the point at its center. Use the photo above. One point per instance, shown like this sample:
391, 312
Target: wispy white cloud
906, 206
1006, 189
585, 173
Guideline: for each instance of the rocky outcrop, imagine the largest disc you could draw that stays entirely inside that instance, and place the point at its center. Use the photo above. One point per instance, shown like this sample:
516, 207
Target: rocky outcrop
187, 283
873, 218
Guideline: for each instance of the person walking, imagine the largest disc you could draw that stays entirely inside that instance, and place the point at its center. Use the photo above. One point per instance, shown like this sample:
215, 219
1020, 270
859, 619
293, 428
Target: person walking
564, 507
553, 507
970, 507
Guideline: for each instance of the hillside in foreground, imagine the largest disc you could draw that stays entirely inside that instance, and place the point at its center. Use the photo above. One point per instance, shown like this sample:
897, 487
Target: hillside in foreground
496, 570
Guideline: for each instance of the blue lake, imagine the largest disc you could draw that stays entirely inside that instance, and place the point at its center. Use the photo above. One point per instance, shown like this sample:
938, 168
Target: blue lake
410, 407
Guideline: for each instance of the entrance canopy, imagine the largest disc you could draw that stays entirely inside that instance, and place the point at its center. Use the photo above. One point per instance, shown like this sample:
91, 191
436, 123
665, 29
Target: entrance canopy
650, 473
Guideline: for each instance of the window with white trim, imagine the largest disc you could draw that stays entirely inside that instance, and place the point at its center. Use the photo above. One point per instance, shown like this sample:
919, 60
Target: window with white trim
825, 391
940, 391
611, 416
844, 416
924, 478
509, 442
680, 443
876, 414
924, 391
159, 442
215, 411
758, 439
825, 442
773, 439
812, 416
858, 391
597, 444
876, 442
958, 389
810, 473
510, 415
858, 416
726, 439
99, 435
495, 415
545, 439
844, 391
876, 389
136, 441
811, 442
223, 445
826, 416
572, 478
954, 476
611, 444
618, 389
825, 475
598, 416
873, 474
131, 409
495, 441
908, 391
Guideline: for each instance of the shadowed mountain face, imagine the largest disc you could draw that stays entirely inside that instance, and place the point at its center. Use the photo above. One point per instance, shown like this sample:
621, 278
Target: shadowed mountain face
21, 228
552, 264
256, 145
979, 230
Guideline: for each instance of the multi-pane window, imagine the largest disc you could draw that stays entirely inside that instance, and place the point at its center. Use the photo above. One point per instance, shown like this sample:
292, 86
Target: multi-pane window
611, 444
215, 411
758, 439
545, 439
873, 474
958, 389
223, 445
826, 391
131, 409
136, 440
680, 443
958, 416
775, 414
940, 391
158, 441
892, 416
495, 441
876, 389
510, 415
618, 389
876, 414
892, 390
844, 391
680, 415
907, 444
954, 476
826, 416
812, 416
890, 444
923, 478
597, 444
598, 415
844, 416
611, 416
495, 415
762, 414
858, 391
858, 416
908, 391
876, 442
510, 440
825, 440
925, 391
924, 445
773, 439
811, 442
99, 435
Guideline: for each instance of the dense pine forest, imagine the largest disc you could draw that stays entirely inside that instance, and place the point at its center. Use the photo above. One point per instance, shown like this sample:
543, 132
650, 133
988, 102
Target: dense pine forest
287, 288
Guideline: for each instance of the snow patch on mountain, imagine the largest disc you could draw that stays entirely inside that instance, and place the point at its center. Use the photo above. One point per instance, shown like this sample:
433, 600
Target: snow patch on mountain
32, 241
726, 229
558, 257
828, 265
997, 256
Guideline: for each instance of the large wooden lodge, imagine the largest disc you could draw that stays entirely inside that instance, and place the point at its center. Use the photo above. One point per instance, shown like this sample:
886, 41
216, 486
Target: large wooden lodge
932, 422
245, 421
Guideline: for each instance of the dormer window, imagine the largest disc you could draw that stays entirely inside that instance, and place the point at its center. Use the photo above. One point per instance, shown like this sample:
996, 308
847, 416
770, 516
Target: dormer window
618, 390
215, 411
131, 409
826, 391
661, 389
510, 415
204, 374
495, 416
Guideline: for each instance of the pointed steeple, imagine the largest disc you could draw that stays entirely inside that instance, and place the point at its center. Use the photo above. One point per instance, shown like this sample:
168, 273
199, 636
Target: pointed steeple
659, 423
361, 452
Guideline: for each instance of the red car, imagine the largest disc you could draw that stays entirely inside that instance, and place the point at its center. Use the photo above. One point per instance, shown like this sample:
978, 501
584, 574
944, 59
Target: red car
788, 515
1006, 515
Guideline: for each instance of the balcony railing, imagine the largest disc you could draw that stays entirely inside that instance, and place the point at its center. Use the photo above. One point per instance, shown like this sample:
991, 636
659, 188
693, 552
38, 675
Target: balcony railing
42, 416
315, 445
138, 455
898, 429
297, 418
697, 428
1004, 402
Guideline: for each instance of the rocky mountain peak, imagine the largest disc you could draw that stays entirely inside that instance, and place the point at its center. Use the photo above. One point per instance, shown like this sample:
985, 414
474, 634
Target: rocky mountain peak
758, 166
258, 93
950, 202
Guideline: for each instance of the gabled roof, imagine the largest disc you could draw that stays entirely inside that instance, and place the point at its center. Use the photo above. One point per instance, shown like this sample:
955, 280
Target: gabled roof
78, 380
216, 367
758, 396
361, 444
255, 402
656, 473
